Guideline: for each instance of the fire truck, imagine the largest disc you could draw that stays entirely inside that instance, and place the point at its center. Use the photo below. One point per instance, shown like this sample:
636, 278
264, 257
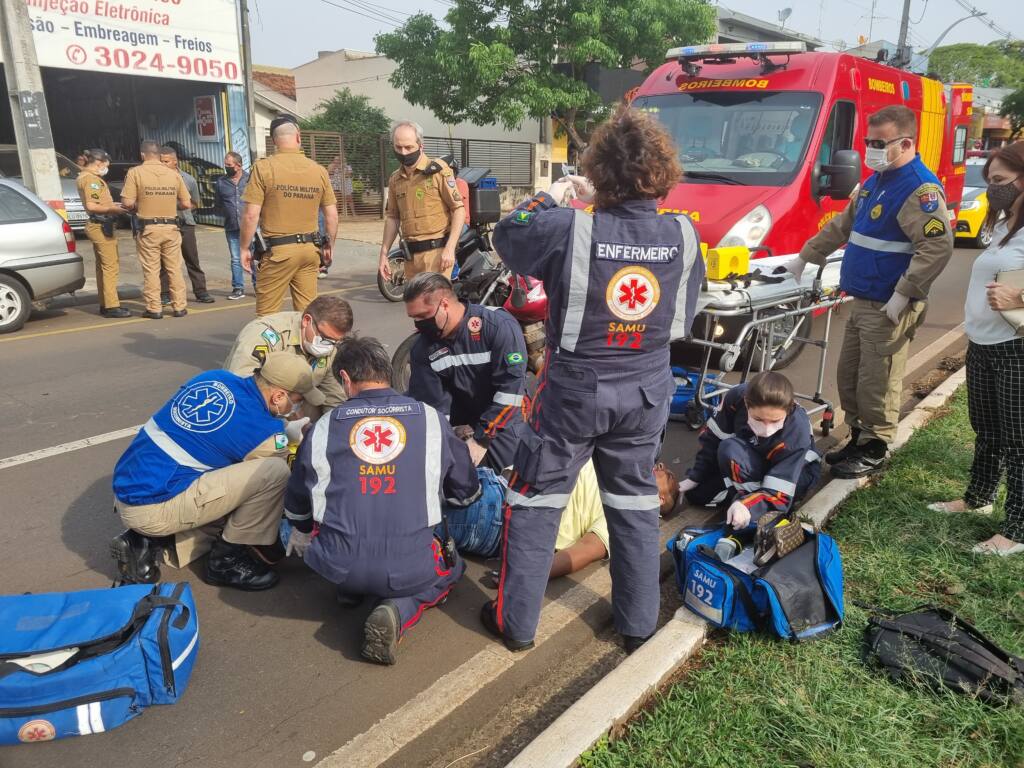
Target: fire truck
770, 135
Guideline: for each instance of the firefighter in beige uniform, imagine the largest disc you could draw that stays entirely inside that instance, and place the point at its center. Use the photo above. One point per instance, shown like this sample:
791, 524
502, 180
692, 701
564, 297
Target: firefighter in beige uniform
425, 204
102, 210
284, 194
312, 334
156, 192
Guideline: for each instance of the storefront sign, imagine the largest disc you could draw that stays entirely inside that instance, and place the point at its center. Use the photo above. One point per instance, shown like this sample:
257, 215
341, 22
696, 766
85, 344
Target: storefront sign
206, 118
177, 39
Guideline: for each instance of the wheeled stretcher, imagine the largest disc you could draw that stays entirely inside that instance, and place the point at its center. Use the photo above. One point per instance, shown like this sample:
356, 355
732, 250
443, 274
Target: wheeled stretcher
776, 309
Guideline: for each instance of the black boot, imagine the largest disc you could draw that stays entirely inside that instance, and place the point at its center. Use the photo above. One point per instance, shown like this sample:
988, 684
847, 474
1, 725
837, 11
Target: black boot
834, 457
137, 557
490, 623
381, 633
866, 460
233, 565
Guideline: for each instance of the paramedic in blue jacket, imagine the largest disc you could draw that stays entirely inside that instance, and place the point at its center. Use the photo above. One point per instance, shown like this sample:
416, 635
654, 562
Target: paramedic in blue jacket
756, 453
898, 240
216, 451
469, 363
366, 492
621, 283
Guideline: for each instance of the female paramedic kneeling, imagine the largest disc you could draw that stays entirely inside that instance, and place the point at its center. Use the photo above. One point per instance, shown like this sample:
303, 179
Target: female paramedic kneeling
757, 452
621, 283
995, 361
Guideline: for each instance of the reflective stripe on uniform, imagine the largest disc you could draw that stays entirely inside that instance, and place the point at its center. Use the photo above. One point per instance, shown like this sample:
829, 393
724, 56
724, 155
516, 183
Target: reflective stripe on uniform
778, 484
322, 468
813, 456
432, 465
691, 246
506, 398
579, 280
751, 486
473, 358
717, 431
889, 246
164, 442
557, 500
292, 516
631, 503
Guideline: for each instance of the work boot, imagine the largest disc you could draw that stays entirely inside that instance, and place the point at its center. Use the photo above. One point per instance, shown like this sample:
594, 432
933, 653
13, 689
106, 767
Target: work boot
490, 622
231, 565
632, 642
381, 633
834, 457
205, 298
137, 557
153, 315
114, 312
179, 312
866, 460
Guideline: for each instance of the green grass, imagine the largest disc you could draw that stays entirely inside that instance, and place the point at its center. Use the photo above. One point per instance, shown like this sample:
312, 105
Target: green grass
754, 701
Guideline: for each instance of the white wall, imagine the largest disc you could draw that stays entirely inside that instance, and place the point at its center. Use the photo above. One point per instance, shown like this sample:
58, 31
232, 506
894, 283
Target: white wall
318, 80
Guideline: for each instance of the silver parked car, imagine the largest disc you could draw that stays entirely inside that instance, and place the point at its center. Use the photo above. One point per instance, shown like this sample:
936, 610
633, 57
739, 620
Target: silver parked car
38, 259
10, 167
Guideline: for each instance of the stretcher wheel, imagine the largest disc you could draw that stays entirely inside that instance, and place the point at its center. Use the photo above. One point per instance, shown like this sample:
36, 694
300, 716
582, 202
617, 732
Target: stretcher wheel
828, 421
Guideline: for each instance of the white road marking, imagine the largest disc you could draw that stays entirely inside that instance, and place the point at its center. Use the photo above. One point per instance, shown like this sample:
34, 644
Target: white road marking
57, 450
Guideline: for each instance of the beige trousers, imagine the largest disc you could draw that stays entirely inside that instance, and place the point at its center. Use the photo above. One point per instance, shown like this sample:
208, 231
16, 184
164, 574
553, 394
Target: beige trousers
160, 245
107, 265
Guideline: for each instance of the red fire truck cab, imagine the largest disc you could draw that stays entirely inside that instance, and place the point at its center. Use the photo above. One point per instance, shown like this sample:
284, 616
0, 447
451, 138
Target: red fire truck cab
770, 135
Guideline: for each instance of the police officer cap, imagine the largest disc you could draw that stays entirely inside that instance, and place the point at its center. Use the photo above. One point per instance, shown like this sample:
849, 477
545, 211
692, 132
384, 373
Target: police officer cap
291, 372
277, 122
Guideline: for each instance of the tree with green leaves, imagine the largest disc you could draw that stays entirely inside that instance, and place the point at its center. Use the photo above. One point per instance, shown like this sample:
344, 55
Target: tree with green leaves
995, 65
1013, 108
347, 113
503, 61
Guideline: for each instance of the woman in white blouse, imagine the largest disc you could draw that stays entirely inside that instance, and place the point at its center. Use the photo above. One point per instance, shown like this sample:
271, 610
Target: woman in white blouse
995, 361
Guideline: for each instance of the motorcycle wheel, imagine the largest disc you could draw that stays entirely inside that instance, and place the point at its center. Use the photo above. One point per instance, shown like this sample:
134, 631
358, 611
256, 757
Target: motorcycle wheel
392, 289
752, 349
401, 370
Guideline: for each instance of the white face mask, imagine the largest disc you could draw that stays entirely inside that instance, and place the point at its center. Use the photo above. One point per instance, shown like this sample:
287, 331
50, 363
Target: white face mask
318, 347
295, 410
764, 429
877, 159
102, 171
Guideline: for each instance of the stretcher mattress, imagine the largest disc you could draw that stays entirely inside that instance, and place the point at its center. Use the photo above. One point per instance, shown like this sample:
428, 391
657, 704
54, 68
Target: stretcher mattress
720, 296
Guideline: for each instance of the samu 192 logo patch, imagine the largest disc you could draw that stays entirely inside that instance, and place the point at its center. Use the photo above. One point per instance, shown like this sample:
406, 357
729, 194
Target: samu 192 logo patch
514, 358
934, 228
37, 730
632, 293
377, 439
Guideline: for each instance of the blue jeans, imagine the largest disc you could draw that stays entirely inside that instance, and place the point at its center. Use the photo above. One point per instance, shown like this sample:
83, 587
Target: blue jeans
235, 249
476, 529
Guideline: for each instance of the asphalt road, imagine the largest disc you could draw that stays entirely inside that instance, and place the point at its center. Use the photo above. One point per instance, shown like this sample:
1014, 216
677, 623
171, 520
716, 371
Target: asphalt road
279, 673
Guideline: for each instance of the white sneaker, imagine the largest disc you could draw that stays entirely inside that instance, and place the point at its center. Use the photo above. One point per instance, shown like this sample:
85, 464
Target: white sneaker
988, 548
958, 506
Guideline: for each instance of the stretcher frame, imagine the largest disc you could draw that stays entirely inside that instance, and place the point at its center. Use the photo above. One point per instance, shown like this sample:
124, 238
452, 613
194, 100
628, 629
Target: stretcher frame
765, 317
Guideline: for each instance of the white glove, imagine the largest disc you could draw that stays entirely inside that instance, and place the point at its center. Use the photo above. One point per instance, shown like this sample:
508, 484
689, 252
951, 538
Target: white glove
795, 267
562, 191
738, 516
894, 307
298, 543
476, 451
582, 188
687, 485
293, 429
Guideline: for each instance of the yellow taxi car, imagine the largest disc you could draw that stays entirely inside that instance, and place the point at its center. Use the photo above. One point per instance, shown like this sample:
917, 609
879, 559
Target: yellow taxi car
971, 224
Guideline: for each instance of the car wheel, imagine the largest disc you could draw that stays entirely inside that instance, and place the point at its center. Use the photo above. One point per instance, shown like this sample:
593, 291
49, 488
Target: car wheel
15, 304
984, 238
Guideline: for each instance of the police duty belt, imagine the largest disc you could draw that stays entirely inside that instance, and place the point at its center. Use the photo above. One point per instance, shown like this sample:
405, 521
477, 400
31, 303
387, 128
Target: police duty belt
419, 246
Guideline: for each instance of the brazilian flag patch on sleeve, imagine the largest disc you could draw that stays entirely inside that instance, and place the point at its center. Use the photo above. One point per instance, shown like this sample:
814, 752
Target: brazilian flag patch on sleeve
523, 218
514, 358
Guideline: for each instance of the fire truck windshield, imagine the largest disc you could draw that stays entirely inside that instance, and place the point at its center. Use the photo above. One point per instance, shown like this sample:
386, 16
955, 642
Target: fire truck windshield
740, 137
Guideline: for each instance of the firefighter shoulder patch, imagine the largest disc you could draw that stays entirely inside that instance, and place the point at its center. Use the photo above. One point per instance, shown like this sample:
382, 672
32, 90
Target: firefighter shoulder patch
928, 198
934, 228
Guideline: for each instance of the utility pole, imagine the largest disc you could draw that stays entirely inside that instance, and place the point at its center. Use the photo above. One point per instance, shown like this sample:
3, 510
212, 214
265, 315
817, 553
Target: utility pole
250, 105
902, 53
28, 105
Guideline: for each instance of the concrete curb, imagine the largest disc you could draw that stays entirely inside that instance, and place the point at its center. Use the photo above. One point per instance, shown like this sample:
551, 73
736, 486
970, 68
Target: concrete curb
611, 702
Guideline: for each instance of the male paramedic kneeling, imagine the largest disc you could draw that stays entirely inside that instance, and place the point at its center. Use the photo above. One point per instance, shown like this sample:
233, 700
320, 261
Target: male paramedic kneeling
621, 283
898, 240
366, 492
214, 452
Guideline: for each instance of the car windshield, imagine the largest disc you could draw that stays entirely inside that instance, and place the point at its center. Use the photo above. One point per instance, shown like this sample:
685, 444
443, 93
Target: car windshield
973, 177
738, 137
9, 165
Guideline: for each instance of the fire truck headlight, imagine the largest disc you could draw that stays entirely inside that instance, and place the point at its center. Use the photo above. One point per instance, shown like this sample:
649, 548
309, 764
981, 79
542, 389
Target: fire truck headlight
750, 231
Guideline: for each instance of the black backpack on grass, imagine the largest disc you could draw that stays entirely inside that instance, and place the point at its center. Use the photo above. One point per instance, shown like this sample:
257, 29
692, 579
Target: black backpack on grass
936, 648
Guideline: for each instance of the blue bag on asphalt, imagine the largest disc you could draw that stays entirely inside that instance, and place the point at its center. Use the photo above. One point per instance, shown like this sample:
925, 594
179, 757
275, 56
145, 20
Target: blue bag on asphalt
798, 597
77, 663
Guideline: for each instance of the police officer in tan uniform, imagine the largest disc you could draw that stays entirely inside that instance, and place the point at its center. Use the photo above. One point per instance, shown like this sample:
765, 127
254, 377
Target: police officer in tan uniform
284, 194
103, 211
312, 334
156, 192
425, 204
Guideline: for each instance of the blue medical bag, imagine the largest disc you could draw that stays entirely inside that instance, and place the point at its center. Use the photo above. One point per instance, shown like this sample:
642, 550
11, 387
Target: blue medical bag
77, 663
686, 389
798, 597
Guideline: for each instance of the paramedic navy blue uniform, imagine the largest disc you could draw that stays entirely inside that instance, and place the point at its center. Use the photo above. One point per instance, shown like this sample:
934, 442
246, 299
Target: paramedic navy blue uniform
620, 283
765, 474
477, 377
371, 477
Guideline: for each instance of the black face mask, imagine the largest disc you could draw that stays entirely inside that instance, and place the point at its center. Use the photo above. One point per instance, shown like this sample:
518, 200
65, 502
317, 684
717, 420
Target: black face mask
408, 160
1002, 196
429, 327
